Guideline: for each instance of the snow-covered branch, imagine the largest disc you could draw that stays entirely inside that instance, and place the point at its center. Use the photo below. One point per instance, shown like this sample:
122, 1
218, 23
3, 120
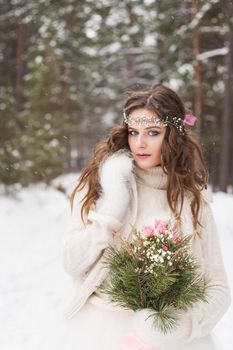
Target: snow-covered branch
201, 13
198, 17
214, 29
212, 53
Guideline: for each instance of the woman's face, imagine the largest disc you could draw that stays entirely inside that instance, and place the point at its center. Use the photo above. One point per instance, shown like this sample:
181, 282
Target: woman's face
145, 142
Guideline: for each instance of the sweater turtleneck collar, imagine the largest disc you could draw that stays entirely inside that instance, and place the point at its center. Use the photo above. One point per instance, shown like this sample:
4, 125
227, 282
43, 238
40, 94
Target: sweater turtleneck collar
153, 177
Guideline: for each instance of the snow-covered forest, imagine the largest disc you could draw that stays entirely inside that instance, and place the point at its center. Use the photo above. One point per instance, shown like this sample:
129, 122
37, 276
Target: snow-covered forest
64, 68
65, 65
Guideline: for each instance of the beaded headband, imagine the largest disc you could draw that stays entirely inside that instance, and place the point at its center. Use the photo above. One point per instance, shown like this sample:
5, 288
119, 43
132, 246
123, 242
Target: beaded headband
146, 121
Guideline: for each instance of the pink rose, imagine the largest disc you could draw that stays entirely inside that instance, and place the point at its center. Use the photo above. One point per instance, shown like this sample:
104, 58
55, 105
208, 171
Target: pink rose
190, 119
147, 231
160, 226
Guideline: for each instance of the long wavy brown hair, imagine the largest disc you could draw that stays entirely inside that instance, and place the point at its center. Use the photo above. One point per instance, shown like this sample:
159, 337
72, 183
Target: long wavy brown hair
181, 157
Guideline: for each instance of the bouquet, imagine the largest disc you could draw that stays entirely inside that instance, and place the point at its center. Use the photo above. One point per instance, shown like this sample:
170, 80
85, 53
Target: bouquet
156, 270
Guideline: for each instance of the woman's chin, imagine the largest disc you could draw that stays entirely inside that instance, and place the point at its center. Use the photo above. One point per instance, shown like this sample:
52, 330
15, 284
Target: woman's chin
146, 165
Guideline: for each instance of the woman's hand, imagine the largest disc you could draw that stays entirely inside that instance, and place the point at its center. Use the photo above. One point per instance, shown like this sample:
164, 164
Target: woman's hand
143, 327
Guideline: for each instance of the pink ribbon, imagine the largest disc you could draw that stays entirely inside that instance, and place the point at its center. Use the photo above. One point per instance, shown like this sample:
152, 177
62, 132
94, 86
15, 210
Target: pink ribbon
132, 342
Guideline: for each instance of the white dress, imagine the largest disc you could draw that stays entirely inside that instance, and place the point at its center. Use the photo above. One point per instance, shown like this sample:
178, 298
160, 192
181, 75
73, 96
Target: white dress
99, 327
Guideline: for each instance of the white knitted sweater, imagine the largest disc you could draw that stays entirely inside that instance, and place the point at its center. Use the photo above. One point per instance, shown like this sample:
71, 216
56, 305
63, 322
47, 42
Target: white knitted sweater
148, 203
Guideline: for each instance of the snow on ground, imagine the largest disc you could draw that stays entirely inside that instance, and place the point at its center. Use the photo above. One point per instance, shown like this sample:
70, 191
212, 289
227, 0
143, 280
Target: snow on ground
33, 283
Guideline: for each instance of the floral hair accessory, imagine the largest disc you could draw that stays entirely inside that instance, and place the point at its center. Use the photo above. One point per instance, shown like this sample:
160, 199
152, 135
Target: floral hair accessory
143, 120
146, 121
190, 119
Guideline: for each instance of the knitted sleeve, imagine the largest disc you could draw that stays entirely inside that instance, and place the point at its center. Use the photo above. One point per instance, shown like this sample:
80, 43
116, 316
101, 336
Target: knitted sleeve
85, 243
204, 316
201, 319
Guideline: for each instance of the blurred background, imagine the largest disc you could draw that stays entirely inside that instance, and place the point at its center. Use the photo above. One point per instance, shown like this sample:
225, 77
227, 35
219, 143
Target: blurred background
64, 66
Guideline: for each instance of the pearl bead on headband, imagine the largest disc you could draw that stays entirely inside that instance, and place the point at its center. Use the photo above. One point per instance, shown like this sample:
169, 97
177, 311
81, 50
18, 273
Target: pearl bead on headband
146, 121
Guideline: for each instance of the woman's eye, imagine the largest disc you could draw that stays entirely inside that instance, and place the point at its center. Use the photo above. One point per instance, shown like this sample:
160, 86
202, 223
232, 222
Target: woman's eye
153, 133
150, 133
132, 132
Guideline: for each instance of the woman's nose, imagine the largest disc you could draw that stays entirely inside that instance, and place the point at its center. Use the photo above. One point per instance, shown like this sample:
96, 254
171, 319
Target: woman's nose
141, 141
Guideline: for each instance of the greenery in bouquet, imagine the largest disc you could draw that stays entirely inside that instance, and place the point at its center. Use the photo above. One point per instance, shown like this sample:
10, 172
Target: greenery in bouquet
157, 271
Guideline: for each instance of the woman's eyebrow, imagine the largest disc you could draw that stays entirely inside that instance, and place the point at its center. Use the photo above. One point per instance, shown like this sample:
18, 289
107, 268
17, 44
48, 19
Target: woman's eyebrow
149, 127
152, 127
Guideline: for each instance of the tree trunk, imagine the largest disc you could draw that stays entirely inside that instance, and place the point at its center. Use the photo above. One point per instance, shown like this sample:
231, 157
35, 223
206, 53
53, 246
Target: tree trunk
198, 69
224, 179
20, 63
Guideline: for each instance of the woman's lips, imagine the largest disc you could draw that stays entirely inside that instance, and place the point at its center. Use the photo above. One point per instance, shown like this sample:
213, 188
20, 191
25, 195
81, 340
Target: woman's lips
142, 156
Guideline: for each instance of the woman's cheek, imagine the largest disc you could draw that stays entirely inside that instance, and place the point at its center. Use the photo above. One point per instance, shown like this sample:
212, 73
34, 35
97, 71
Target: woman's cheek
131, 144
